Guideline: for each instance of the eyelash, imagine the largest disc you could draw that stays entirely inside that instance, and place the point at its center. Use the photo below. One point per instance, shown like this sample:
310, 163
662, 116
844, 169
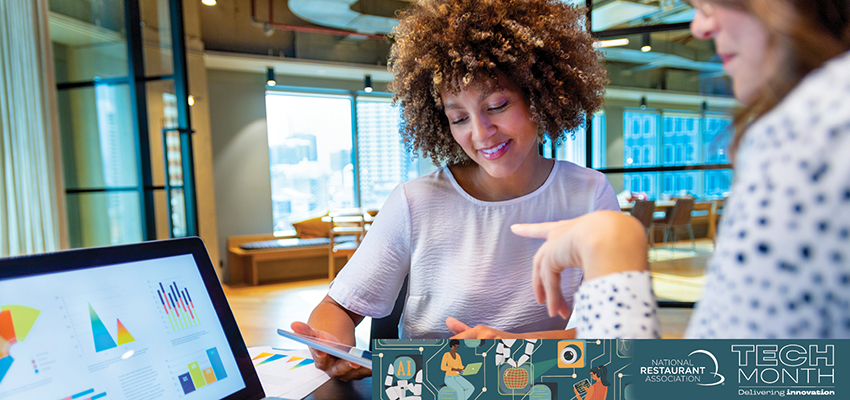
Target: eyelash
497, 108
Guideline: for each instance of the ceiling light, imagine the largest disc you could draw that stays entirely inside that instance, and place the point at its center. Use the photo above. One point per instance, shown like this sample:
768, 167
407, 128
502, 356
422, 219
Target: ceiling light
191, 100
367, 84
270, 76
208, 2
643, 103
611, 42
646, 46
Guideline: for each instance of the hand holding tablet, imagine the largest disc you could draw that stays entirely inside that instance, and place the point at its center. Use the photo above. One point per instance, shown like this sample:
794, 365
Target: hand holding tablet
339, 350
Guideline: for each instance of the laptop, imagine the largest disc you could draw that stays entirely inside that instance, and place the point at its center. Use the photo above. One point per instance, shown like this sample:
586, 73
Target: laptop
472, 368
139, 321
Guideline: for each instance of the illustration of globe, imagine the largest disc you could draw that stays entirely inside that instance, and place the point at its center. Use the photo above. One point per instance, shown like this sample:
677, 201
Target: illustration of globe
515, 378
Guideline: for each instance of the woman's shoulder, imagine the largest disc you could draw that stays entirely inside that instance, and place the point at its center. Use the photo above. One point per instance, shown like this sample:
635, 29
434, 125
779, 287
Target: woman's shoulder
566, 172
430, 185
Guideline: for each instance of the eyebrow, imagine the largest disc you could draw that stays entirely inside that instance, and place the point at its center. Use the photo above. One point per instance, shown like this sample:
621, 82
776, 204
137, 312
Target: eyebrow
484, 94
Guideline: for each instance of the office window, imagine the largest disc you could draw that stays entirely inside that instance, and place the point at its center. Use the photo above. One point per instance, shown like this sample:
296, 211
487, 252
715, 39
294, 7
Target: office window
718, 183
716, 139
642, 141
681, 131
383, 160
309, 155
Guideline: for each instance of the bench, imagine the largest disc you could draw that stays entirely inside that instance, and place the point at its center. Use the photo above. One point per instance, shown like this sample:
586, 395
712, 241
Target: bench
286, 258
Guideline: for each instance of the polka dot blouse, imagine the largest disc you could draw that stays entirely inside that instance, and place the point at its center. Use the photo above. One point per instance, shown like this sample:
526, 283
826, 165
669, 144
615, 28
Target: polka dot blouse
781, 268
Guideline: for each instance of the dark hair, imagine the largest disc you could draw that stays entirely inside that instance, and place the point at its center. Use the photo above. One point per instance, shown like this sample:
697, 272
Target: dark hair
805, 34
540, 45
454, 342
601, 371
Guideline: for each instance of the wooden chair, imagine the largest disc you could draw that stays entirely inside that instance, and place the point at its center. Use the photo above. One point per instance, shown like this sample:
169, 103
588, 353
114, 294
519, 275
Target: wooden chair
350, 222
643, 211
679, 216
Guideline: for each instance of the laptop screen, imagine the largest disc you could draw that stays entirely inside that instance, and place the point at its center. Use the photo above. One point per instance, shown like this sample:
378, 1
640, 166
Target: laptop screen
139, 330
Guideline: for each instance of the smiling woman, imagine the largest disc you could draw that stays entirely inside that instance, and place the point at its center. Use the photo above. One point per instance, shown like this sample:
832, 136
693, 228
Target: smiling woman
480, 85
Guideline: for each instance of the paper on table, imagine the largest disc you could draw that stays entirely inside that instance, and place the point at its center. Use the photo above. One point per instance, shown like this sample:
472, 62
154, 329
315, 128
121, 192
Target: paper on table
289, 374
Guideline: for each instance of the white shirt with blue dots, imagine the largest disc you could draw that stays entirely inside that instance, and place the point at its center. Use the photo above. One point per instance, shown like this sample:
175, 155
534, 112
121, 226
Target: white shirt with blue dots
781, 268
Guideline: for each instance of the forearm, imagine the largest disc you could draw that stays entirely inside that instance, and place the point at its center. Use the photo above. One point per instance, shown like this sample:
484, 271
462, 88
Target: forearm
332, 318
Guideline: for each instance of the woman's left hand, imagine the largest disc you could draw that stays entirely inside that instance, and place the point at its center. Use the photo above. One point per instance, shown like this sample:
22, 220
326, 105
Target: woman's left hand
463, 331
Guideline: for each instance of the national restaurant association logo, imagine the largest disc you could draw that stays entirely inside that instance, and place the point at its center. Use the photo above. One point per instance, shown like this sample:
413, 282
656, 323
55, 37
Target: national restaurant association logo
791, 369
699, 367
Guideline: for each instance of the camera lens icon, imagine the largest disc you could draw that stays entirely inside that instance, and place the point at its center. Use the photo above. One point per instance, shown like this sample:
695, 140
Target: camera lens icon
571, 354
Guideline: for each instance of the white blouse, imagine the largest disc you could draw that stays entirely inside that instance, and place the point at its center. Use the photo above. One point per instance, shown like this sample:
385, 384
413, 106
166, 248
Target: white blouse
781, 268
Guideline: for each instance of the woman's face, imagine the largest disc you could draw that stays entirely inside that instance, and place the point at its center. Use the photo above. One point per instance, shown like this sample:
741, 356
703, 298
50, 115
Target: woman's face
593, 375
455, 346
493, 127
741, 42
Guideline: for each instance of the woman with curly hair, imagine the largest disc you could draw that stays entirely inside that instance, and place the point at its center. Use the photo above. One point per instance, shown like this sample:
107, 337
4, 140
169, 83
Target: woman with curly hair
480, 83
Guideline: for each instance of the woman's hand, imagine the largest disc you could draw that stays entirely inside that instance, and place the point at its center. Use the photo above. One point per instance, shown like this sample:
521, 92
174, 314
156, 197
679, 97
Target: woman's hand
336, 368
601, 243
463, 331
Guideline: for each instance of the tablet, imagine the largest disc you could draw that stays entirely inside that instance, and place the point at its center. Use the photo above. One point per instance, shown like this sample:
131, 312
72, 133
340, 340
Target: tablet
345, 352
582, 386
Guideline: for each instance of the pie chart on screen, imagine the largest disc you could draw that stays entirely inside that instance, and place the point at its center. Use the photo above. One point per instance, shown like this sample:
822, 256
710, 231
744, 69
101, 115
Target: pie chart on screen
15, 324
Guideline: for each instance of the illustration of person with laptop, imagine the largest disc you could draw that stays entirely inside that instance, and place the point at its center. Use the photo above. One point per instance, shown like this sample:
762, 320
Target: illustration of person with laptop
598, 390
453, 366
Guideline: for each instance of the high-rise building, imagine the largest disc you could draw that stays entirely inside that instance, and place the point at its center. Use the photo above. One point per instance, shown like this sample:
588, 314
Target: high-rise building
384, 161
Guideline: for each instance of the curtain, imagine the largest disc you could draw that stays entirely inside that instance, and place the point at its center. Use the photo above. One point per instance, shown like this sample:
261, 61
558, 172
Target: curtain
32, 207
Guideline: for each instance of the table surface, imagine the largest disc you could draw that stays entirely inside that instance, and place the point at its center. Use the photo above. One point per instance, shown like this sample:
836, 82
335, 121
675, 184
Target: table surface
337, 390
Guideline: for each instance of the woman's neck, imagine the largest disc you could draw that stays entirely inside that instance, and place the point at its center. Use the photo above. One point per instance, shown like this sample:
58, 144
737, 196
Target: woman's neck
530, 176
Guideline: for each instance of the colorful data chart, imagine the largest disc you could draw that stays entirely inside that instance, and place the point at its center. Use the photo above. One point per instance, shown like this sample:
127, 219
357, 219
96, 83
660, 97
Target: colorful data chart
265, 358
86, 395
197, 377
102, 339
178, 306
16, 321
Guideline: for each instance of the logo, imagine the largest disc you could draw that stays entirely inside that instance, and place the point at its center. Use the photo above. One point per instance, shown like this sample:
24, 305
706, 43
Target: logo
571, 354
699, 367
721, 378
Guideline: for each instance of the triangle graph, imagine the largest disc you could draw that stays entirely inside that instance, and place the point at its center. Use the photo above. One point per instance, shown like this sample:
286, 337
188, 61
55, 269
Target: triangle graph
265, 358
102, 339
16, 321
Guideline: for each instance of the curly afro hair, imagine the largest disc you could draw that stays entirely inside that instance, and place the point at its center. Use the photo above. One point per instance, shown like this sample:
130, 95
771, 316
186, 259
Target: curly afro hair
541, 45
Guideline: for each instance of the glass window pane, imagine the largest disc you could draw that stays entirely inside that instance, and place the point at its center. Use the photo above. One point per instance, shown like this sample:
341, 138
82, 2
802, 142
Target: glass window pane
627, 14
98, 146
675, 63
89, 39
574, 147
684, 138
682, 183
103, 219
638, 147
718, 182
162, 114
310, 155
716, 139
383, 160
156, 35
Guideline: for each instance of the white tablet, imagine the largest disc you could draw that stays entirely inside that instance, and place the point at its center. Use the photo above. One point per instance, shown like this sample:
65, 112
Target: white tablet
345, 352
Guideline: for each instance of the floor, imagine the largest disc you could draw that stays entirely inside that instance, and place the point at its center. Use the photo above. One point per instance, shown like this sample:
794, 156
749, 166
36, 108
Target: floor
677, 275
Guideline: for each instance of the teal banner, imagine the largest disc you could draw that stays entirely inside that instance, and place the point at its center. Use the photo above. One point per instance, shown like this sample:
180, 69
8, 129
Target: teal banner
549, 369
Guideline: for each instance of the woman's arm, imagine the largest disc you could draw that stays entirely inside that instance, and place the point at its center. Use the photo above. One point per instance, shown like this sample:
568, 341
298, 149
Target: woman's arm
445, 364
611, 249
331, 321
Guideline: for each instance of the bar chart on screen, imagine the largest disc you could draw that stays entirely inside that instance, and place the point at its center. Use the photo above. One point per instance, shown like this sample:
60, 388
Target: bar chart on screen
175, 303
198, 370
